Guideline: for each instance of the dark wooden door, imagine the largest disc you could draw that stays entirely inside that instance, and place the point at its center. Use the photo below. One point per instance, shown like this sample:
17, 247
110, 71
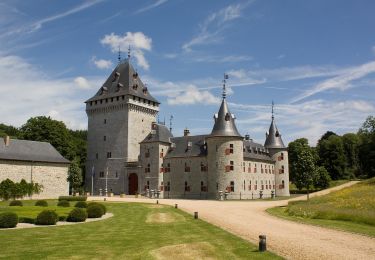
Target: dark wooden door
133, 183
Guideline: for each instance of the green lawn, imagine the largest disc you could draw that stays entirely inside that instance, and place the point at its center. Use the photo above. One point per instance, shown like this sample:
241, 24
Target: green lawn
351, 209
293, 188
130, 234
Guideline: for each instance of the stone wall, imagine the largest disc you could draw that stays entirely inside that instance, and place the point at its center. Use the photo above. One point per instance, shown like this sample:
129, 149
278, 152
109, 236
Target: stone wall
52, 176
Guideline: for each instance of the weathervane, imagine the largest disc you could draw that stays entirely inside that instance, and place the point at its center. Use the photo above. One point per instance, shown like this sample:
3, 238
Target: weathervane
170, 123
272, 110
224, 86
119, 55
129, 52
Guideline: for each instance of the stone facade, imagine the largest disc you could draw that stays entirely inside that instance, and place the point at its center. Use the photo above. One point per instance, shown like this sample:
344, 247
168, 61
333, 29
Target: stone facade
128, 152
52, 176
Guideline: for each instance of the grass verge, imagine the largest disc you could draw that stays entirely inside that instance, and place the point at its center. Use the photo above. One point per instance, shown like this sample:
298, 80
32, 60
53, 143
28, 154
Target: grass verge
127, 235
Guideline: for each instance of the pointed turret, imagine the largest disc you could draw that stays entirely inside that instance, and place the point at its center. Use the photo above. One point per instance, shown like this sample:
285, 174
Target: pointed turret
224, 120
273, 137
124, 80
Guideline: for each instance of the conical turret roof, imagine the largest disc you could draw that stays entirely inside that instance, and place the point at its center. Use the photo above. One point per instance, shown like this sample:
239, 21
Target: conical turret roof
123, 80
224, 122
273, 139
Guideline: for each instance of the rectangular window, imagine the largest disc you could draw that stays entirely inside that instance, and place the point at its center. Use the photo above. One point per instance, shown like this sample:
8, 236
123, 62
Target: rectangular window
101, 174
105, 121
231, 187
231, 165
105, 138
230, 148
147, 154
97, 156
109, 155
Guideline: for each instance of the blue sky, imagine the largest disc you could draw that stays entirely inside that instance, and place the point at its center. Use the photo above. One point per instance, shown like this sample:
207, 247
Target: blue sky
315, 59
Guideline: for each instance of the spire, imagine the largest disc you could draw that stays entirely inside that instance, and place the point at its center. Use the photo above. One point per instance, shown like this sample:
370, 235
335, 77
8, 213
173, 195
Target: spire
129, 52
273, 137
119, 55
170, 123
224, 120
224, 85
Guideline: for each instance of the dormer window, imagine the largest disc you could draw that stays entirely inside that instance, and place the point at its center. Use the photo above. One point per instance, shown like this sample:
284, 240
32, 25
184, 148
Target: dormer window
277, 134
145, 90
135, 86
135, 75
227, 117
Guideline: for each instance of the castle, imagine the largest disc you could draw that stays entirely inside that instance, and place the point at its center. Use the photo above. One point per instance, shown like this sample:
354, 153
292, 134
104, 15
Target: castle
129, 153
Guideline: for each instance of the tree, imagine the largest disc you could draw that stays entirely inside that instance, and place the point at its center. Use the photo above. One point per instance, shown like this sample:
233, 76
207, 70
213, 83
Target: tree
332, 157
75, 175
322, 178
327, 135
294, 150
367, 147
45, 129
303, 165
351, 148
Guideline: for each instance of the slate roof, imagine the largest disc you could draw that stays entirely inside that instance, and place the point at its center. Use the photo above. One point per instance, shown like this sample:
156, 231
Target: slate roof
122, 81
273, 139
224, 122
181, 148
160, 134
255, 151
24, 150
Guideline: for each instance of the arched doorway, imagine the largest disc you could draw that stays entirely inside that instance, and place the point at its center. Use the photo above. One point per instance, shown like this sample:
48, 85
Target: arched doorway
133, 183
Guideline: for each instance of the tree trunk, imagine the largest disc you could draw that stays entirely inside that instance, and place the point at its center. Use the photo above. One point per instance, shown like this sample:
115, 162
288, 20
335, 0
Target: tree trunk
308, 194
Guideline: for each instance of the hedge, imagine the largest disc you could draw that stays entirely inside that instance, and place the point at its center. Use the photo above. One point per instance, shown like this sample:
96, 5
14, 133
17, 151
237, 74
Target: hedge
77, 215
63, 203
73, 198
95, 211
41, 203
26, 220
8, 220
47, 217
15, 203
81, 204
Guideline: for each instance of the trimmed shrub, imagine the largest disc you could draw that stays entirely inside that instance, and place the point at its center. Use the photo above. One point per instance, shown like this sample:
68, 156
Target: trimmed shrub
41, 203
16, 203
8, 220
101, 205
77, 215
81, 204
63, 203
26, 220
73, 198
95, 211
47, 217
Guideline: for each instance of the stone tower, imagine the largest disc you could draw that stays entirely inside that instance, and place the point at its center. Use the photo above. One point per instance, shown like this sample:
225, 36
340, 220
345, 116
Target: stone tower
120, 116
279, 154
225, 152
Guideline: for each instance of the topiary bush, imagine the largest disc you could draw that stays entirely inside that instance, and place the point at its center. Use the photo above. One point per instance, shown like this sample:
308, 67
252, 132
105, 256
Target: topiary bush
95, 211
101, 205
26, 220
81, 204
63, 203
16, 203
73, 198
41, 203
8, 220
77, 215
47, 217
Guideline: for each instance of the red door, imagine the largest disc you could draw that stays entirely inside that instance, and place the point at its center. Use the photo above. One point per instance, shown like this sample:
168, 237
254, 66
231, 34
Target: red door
133, 183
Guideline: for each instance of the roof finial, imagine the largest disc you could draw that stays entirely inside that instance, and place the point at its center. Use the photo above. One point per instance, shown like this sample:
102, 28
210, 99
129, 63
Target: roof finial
273, 104
129, 52
119, 55
224, 86
170, 123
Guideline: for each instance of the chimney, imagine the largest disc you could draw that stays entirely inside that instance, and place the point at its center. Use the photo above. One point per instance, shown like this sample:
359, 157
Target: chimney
247, 137
7, 140
186, 132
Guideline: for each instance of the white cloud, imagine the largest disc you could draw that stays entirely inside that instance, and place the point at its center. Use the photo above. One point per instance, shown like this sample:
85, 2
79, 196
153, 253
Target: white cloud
102, 64
212, 27
137, 41
151, 6
82, 83
27, 92
340, 82
192, 95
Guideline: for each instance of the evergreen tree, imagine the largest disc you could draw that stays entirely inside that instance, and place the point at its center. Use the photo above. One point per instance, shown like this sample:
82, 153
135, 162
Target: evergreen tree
75, 175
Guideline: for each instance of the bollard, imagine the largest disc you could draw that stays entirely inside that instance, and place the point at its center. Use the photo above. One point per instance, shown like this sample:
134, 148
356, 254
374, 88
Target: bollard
105, 199
175, 206
262, 243
157, 202
195, 215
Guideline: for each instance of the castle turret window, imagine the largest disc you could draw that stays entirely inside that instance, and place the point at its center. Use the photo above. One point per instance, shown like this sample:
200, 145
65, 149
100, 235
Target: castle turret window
101, 174
187, 168
109, 155
147, 154
281, 157
162, 153
281, 171
147, 169
231, 186
282, 185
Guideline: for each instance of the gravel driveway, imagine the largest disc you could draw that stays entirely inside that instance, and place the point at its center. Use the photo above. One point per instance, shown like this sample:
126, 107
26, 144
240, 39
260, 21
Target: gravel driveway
291, 240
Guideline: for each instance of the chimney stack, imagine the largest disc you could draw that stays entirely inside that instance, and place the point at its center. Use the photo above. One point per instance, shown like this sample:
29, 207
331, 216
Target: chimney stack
186, 132
7, 140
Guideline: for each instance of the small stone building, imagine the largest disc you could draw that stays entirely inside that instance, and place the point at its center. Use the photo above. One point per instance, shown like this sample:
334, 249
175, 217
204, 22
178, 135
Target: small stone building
128, 152
37, 162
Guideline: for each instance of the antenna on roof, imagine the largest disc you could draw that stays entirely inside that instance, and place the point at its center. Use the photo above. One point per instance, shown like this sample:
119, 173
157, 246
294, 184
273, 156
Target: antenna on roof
164, 121
170, 123
119, 55
129, 52
273, 104
224, 86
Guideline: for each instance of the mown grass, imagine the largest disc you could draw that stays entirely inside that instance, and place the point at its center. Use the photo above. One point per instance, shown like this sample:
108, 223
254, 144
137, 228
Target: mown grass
126, 235
351, 209
293, 189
